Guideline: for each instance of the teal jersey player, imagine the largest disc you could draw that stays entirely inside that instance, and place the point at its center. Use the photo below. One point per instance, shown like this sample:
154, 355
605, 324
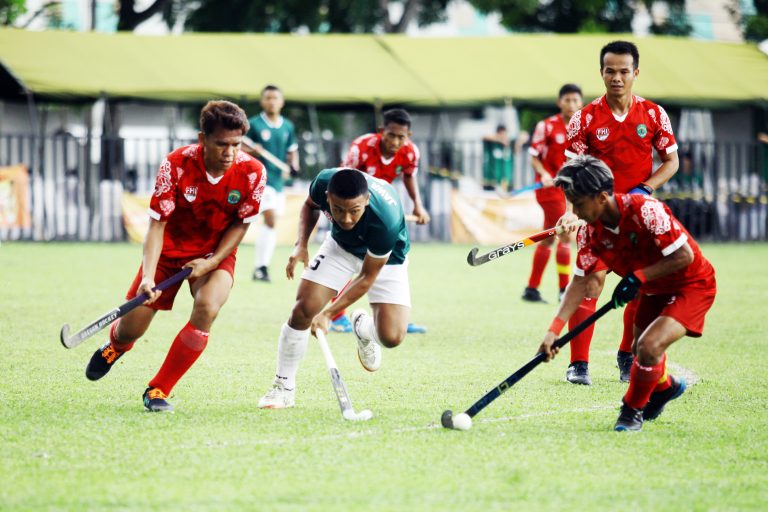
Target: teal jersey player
380, 231
279, 139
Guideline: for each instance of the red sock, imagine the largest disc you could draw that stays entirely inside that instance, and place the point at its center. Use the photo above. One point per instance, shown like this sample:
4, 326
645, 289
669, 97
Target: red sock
629, 326
665, 382
580, 344
119, 346
563, 259
540, 259
642, 381
184, 351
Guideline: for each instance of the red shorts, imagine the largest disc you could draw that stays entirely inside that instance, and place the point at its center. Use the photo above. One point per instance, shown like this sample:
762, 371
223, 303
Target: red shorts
553, 210
166, 267
688, 306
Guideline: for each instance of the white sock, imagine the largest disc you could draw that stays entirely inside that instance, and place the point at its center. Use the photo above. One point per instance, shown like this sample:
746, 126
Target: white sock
367, 328
265, 246
291, 346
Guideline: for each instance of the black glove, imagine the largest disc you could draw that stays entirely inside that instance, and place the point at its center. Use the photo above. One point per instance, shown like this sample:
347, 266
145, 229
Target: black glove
295, 171
626, 290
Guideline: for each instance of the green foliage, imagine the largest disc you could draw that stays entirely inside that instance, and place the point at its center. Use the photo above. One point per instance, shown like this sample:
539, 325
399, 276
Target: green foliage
70, 444
562, 16
756, 28
10, 10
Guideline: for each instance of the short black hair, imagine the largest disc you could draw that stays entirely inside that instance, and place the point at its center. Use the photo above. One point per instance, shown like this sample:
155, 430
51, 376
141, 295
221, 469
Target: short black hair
224, 114
583, 176
397, 116
270, 87
501, 128
568, 89
347, 183
621, 48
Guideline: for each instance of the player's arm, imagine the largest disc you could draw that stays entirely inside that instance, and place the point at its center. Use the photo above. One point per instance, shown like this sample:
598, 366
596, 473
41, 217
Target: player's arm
358, 287
412, 187
308, 216
669, 165
546, 179
574, 294
153, 245
229, 241
293, 161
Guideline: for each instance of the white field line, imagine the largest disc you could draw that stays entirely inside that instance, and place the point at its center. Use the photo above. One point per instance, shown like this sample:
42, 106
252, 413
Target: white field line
691, 379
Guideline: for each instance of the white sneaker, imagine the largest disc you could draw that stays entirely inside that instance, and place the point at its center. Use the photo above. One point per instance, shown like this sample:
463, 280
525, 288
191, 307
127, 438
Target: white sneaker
278, 397
368, 351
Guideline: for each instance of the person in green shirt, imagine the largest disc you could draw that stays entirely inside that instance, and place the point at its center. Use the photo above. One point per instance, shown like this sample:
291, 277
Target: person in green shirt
271, 135
368, 243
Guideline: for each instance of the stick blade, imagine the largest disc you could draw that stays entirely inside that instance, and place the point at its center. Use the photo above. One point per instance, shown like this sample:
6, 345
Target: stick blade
64, 336
471, 257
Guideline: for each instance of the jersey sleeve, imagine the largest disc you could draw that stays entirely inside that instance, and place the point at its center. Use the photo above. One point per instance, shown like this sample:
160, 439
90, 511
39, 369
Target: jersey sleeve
292, 144
352, 158
587, 259
163, 200
257, 180
663, 140
319, 185
412, 157
656, 218
538, 140
577, 136
253, 131
382, 243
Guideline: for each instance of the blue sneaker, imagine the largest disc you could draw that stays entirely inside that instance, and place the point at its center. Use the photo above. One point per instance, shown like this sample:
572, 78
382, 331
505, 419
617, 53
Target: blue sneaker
416, 329
341, 324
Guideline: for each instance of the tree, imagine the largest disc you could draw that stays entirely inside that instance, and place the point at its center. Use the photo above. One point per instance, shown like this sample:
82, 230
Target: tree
755, 24
10, 10
129, 18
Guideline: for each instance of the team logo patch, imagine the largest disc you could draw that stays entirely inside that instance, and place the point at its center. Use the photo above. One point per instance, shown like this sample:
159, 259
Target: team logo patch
560, 138
266, 135
602, 133
233, 197
190, 193
398, 169
642, 130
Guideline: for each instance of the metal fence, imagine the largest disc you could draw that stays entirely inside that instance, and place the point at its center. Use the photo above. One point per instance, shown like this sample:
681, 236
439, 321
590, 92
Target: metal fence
76, 184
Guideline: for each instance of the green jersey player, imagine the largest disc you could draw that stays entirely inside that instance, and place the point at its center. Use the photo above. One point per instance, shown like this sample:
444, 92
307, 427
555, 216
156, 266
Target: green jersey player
368, 242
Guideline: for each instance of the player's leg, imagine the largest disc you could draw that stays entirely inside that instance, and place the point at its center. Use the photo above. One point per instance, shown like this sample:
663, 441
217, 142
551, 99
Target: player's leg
624, 356
563, 260
267, 237
541, 253
126, 330
210, 293
318, 285
578, 370
341, 323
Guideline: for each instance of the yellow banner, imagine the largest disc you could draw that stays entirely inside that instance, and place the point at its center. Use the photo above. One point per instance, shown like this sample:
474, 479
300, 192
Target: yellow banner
14, 197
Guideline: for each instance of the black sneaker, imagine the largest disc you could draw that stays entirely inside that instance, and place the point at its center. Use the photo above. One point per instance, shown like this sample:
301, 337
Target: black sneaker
532, 295
658, 400
578, 373
261, 274
101, 361
155, 401
624, 364
630, 419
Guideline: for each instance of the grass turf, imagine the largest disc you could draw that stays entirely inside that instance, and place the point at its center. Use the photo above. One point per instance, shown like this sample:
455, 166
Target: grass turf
69, 444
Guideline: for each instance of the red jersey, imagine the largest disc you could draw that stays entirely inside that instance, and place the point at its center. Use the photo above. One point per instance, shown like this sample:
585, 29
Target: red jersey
548, 145
625, 143
647, 232
198, 209
365, 155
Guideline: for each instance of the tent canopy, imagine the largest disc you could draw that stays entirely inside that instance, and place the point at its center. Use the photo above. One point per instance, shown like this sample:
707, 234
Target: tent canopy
367, 69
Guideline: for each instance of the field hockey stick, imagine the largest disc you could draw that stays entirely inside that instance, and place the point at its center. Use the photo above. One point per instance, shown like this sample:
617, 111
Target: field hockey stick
347, 412
411, 218
528, 188
447, 418
474, 260
107, 318
264, 153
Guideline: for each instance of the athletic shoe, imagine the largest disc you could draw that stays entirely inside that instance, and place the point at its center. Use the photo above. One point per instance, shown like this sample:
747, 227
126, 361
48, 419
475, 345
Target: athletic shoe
416, 329
341, 324
533, 295
261, 274
155, 400
578, 373
101, 361
624, 364
278, 397
658, 400
630, 419
368, 351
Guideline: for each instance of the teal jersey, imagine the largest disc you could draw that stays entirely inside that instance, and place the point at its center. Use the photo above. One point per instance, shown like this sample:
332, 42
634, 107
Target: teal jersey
278, 139
380, 231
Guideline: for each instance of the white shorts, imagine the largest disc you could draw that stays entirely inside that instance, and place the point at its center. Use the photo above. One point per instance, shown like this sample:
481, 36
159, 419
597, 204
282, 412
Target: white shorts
272, 200
333, 267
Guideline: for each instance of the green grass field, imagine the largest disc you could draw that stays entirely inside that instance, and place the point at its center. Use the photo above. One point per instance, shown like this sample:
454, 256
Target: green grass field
70, 444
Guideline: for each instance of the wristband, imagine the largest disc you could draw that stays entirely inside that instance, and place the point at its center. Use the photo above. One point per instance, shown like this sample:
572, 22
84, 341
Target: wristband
645, 187
557, 325
640, 275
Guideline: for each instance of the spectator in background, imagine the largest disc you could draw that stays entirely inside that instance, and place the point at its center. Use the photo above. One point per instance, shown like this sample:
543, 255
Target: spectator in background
497, 160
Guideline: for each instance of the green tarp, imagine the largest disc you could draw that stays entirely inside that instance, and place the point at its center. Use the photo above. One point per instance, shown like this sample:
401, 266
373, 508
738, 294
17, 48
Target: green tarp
354, 69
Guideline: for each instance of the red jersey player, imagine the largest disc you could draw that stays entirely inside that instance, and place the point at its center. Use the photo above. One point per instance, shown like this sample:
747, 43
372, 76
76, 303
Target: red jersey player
637, 237
547, 156
622, 130
387, 155
205, 197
